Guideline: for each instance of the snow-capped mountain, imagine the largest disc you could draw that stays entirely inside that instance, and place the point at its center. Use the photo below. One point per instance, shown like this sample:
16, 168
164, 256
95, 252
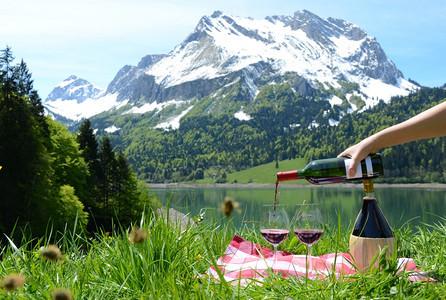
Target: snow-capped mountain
224, 50
73, 99
74, 88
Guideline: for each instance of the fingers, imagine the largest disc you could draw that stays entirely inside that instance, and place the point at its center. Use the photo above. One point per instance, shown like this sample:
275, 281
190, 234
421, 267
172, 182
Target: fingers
345, 153
352, 168
353, 164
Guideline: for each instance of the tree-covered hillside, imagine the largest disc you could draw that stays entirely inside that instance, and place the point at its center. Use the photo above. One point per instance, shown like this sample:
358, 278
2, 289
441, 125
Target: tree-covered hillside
283, 125
51, 178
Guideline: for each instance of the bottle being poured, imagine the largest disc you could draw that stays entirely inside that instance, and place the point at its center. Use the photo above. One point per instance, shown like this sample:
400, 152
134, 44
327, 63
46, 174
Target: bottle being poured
334, 170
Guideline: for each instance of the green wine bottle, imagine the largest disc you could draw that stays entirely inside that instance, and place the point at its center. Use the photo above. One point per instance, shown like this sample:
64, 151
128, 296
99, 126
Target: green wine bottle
332, 170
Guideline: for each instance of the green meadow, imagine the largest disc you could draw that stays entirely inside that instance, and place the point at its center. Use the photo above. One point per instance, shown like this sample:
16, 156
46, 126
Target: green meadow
164, 260
262, 174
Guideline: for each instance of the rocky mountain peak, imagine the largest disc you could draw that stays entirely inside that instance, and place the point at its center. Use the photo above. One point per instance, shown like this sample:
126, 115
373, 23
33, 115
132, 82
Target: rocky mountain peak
74, 88
225, 51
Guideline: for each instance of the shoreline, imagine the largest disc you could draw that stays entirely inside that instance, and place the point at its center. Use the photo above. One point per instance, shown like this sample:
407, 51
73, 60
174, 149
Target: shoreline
288, 185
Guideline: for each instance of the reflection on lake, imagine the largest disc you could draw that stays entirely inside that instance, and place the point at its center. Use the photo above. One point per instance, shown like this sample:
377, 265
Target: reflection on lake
400, 205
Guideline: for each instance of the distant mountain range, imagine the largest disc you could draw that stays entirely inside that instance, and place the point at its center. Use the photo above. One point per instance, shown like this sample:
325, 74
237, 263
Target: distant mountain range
227, 60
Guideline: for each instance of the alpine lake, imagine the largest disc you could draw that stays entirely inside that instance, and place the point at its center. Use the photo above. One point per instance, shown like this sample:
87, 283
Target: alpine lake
414, 205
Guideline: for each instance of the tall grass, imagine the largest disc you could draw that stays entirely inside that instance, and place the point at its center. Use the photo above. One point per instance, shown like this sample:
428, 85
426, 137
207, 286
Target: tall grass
169, 261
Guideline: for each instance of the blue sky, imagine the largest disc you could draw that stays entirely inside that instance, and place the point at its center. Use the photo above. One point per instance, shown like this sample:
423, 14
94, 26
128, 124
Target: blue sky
93, 39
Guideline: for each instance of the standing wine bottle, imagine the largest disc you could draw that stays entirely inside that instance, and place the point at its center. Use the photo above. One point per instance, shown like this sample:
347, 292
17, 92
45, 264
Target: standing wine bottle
333, 170
371, 232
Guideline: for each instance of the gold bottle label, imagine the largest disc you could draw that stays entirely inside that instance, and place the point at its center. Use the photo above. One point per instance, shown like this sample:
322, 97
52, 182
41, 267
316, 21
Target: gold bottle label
368, 186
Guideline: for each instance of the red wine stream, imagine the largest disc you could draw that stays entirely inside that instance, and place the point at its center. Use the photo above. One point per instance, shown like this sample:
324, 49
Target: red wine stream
275, 195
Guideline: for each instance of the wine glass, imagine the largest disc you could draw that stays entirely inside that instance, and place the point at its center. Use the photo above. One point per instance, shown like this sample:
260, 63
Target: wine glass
274, 224
307, 223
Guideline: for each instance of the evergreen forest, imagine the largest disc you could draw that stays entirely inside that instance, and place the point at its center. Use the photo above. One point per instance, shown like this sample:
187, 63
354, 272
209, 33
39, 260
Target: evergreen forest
283, 125
51, 178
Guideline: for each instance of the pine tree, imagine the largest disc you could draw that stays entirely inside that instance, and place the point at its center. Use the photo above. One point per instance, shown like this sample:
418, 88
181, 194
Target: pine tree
125, 190
89, 149
87, 143
23, 83
26, 170
6, 70
24, 87
107, 169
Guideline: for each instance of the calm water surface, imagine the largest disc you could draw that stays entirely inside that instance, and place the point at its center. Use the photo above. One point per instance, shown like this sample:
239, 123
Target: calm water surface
400, 205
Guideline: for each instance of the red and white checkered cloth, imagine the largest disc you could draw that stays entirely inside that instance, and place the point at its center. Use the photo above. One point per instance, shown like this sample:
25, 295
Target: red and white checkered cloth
244, 261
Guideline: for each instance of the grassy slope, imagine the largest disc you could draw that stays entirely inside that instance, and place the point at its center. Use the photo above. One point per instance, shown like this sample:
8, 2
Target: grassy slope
262, 174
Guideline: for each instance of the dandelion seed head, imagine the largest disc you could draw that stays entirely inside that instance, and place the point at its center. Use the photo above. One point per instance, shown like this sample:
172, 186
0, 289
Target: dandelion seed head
61, 294
228, 206
137, 236
51, 253
13, 281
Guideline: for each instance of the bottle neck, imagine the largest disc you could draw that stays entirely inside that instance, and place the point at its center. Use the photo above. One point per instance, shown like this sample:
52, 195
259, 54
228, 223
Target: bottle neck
369, 191
290, 175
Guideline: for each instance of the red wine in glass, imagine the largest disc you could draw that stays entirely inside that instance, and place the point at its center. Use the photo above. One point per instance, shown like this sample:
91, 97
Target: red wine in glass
274, 224
308, 236
274, 236
307, 223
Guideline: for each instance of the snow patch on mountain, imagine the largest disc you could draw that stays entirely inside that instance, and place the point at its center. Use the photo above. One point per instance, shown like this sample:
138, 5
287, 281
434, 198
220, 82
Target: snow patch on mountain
333, 122
173, 123
73, 110
335, 100
376, 90
242, 116
148, 107
111, 129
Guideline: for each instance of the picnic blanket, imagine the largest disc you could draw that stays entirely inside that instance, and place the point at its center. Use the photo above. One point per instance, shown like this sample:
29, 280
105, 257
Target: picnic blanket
243, 261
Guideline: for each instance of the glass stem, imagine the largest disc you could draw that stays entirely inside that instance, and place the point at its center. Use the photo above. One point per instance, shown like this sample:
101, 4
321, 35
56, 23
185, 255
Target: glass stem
309, 260
275, 255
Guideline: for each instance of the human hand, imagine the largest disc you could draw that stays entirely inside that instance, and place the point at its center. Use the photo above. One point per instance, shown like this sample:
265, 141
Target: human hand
357, 153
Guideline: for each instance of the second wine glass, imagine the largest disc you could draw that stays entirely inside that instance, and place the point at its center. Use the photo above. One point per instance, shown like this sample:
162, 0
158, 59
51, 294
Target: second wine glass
308, 227
274, 224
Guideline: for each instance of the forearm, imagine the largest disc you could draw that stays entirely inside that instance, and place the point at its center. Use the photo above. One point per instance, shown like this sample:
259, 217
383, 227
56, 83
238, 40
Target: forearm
428, 124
